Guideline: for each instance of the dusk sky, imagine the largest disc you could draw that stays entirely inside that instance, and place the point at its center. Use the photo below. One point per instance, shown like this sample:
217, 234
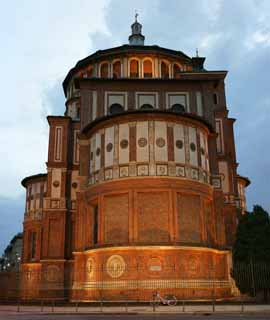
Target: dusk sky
42, 40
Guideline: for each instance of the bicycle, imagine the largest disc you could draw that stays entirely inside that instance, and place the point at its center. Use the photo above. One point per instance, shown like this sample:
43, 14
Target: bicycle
169, 300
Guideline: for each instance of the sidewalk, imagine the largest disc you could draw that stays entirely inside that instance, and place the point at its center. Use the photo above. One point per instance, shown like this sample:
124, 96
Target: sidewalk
132, 309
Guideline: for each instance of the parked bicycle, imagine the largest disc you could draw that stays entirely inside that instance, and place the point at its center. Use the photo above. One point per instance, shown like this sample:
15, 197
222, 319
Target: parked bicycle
169, 299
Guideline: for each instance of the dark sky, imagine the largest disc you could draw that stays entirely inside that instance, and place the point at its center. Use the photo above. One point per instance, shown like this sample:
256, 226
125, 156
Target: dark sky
41, 45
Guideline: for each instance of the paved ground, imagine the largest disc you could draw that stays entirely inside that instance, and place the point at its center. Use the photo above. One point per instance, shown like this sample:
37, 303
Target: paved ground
135, 312
131, 317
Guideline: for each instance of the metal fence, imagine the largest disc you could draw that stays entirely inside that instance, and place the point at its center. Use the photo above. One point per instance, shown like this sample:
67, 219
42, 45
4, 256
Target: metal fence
249, 283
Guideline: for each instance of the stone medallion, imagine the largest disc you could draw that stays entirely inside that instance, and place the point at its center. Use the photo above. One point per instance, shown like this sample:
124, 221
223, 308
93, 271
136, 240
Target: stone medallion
115, 266
154, 264
124, 143
90, 264
160, 142
193, 265
52, 273
142, 142
192, 146
179, 144
98, 152
109, 147
202, 151
74, 185
56, 183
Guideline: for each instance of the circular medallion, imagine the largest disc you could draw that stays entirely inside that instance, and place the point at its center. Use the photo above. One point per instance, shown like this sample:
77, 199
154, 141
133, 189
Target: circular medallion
179, 144
52, 273
90, 263
115, 266
109, 147
124, 144
56, 183
160, 142
142, 142
74, 185
98, 152
192, 146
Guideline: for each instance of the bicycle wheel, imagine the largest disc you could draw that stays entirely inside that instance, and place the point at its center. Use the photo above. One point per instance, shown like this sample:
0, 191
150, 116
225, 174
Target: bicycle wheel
172, 301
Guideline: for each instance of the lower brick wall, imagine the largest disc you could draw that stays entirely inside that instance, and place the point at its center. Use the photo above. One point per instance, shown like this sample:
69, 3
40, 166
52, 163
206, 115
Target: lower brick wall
137, 272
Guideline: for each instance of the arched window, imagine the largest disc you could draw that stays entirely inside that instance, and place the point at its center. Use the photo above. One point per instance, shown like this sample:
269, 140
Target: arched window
117, 69
104, 70
164, 70
116, 108
134, 68
90, 72
176, 70
146, 106
147, 69
178, 108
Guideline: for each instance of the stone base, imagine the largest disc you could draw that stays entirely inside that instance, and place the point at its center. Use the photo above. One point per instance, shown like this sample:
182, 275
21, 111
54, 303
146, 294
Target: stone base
135, 273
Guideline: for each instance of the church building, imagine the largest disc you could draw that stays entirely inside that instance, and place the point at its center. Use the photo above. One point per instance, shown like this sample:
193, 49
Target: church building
141, 192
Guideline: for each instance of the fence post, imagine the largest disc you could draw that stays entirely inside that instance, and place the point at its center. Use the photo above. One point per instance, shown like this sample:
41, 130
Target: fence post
126, 306
252, 276
52, 305
242, 306
18, 305
101, 305
77, 306
213, 305
154, 306
183, 306
41, 306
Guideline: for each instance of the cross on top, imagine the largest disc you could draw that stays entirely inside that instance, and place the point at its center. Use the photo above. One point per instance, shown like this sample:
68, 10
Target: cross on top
136, 15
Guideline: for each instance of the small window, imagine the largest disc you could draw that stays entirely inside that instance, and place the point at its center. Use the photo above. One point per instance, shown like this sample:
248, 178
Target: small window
146, 106
147, 69
215, 98
116, 108
78, 113
164, 70
134, 68
176, 71
117, 69
90, 72
33, 245
178, 108
95, 225
104, 70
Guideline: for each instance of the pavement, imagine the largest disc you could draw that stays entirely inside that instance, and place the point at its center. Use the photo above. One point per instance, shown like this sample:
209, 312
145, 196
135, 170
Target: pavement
124, 310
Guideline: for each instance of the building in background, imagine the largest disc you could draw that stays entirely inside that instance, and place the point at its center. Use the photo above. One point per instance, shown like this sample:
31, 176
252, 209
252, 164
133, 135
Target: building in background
141, 189
11, 259
242, 183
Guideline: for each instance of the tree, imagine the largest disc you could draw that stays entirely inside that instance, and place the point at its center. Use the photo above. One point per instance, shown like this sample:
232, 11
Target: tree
251, 252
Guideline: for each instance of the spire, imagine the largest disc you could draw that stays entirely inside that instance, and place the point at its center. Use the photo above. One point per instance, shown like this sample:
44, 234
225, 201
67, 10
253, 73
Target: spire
136, 38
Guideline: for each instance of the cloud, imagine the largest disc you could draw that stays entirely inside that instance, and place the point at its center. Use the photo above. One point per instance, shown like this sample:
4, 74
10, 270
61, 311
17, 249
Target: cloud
41, 41
41, 45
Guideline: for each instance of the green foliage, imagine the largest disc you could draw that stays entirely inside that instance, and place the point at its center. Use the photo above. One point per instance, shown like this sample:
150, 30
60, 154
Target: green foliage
251, 251
253, 237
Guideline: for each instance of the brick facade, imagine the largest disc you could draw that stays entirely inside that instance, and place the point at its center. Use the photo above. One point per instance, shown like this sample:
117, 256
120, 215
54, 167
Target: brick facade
139, 200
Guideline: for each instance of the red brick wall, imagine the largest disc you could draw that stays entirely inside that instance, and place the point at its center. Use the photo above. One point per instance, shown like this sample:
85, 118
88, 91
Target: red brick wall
153, 213
189, 218
115, 213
